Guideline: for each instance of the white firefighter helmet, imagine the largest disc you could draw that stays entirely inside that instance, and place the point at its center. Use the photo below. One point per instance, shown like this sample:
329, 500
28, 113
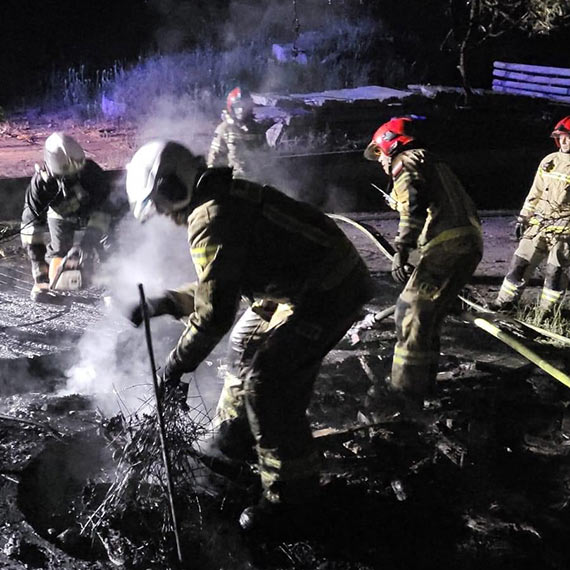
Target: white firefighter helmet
160, 178
63, 155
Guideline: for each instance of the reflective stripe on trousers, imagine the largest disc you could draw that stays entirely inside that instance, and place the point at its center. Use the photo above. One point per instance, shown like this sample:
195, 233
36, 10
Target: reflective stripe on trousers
421, 308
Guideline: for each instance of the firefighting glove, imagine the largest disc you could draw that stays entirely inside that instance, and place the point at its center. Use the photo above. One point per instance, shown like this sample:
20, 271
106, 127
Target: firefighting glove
520, 226
171, 386
401, 269
156, 306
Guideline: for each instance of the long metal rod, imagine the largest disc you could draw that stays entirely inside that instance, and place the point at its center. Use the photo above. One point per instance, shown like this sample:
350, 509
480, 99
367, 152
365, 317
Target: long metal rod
160, 421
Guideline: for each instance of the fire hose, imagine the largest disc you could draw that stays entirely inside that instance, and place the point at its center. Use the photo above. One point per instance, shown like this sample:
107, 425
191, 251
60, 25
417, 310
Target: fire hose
479, 321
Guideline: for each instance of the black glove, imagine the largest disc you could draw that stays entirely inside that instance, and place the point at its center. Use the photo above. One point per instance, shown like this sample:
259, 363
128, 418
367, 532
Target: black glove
156, 306
401, 269
520, 226
171, 386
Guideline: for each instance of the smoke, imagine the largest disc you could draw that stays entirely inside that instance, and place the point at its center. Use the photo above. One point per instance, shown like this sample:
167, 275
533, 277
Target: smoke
113, 363
180, 118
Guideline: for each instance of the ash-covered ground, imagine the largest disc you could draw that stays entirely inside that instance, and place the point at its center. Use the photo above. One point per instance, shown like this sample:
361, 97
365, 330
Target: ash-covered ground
482, 481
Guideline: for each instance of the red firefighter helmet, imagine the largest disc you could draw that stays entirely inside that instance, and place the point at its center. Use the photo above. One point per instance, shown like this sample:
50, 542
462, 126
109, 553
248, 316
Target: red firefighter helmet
239, 103
390, 138
562, 128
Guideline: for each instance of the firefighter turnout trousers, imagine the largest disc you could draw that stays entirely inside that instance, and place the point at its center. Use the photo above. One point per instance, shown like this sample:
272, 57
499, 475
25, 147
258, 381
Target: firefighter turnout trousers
440, 275
273, 367
532, 249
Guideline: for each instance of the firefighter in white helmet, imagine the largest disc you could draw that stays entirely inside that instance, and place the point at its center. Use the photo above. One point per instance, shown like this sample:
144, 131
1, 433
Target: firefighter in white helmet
253, 242
238, 140
543, 228
66, 189
437, 218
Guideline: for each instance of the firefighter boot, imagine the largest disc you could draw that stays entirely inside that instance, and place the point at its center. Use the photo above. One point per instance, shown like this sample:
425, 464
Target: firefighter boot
41, 293
382, 403
296, 513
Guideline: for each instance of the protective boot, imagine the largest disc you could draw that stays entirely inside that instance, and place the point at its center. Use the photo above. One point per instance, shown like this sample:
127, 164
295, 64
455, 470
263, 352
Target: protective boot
296, 512
555, 282
513, 285
384, 404
41, 293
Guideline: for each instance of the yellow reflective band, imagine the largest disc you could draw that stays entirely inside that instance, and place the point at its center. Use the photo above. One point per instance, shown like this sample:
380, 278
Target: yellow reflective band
508, 286
273, 469
403, 356
557, 176
551, 295
204, 255
452, 233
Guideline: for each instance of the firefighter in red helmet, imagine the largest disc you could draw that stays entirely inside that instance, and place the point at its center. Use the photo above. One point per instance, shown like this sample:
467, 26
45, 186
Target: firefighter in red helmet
238, 140
437, 218
543, 228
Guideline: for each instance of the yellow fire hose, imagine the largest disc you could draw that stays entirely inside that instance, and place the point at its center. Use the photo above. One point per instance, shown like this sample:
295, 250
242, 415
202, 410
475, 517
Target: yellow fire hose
387, 250
518, 346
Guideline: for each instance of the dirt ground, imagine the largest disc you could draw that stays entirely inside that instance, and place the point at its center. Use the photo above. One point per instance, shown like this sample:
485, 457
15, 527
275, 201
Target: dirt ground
21, 143
481, 481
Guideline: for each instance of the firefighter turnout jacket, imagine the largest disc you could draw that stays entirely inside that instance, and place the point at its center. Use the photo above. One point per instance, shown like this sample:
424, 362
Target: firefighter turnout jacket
237, 144
431, 201
63, 203
546, 218
547, 206
253, 242
439, 218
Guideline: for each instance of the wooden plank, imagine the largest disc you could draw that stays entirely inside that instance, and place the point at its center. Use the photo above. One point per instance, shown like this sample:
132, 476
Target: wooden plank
549, 89
525, 77
513, 91
537, 69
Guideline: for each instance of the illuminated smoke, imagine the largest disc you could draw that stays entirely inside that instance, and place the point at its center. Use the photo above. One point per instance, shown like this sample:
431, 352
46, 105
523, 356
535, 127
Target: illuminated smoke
113, 363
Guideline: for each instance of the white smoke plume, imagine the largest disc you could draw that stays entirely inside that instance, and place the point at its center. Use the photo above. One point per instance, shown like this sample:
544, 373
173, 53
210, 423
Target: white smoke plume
113, 363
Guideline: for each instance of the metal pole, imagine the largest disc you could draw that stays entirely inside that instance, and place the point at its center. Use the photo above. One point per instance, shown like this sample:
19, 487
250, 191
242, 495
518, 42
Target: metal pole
160, 420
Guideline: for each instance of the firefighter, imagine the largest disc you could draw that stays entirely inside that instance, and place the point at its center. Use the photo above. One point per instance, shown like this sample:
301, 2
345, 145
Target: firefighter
439, 219
65, 189
543, 228
305, 283
238, 140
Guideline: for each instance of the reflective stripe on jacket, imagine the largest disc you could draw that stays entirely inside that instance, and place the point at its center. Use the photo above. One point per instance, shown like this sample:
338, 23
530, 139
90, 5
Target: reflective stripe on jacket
253, 241
432, 203
547, 205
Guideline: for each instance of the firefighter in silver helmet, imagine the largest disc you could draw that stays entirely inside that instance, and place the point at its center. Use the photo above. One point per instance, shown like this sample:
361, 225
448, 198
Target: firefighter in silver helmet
66, 189
543, 228
252, 242
238, 140
437, 218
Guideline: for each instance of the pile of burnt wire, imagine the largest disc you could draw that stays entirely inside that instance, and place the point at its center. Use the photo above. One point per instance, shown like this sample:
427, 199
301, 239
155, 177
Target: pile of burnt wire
128, 508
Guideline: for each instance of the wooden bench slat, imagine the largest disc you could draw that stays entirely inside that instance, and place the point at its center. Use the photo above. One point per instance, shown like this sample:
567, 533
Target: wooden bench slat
536, 69
527, 77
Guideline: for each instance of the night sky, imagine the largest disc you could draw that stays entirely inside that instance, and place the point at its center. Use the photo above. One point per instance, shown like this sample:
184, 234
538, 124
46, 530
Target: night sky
39, 37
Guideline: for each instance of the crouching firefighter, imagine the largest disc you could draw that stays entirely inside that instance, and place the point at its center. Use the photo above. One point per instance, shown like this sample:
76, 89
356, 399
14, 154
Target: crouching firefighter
543, 228
439, 219
64, 190
253, 242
